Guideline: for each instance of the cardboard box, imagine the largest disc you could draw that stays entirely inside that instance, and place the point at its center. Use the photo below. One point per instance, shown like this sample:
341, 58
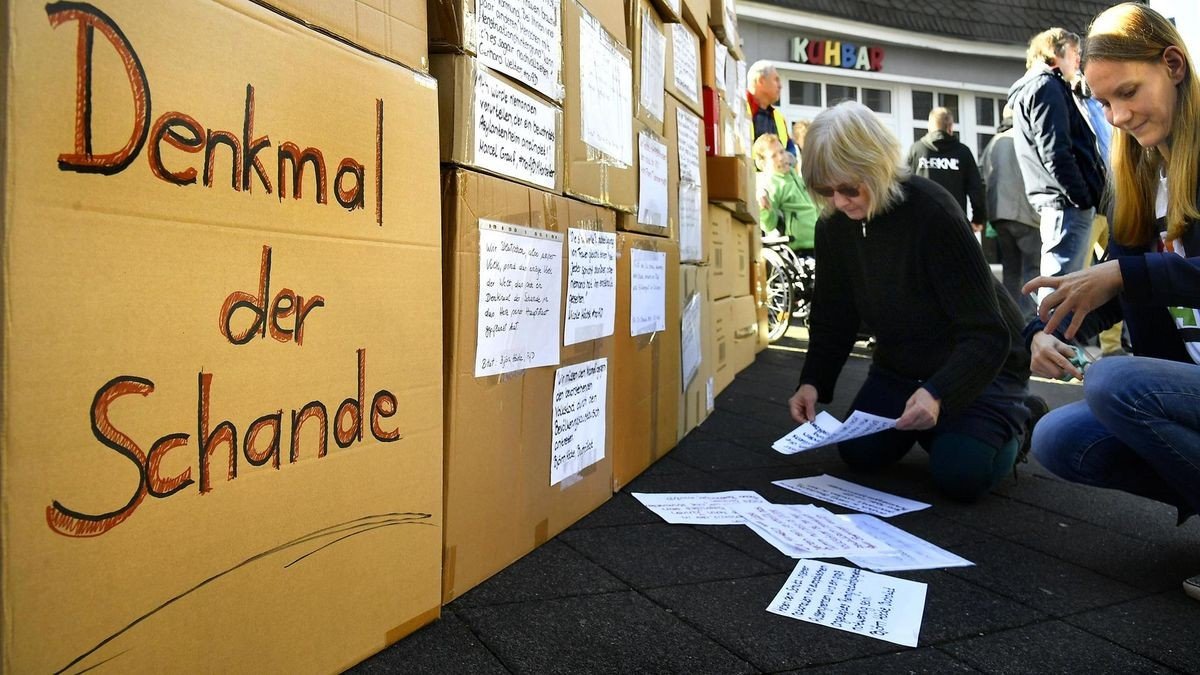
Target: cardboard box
489, 123
656, 214
500, 500
723, 21
694, 403
729, 180
716, 67
743, 329
687, 199
222, 437
758, 282
743, 259
721, 256
722, 322
395, 29
524, 40
646, 367
683, 66
668, 11
648, 39
695, 14
599, 145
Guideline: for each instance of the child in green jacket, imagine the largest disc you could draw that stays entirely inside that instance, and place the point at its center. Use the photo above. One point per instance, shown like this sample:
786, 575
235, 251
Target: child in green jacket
784, 202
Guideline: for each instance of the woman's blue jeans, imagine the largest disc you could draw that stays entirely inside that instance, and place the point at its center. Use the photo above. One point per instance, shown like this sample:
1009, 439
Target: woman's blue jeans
1137, 430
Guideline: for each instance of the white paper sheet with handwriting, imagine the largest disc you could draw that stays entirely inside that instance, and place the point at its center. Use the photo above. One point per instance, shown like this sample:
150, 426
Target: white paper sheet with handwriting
515, 134
647, 292
606, 96
851, 495
909, 552
591, 285
652, 180
699, 508
689, 339
875, 605
651, 94
520, 298
806, 531
580, 399
827, 430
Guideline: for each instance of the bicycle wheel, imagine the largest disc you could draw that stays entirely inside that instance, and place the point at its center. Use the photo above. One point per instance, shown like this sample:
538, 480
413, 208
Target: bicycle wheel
803, 291
779, 295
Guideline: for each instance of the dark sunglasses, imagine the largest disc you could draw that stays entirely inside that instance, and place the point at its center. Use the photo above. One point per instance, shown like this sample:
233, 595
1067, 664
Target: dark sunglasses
848, 191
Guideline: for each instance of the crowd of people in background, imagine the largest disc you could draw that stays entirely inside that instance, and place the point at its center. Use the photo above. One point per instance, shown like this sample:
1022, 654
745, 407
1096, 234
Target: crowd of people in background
1091, 187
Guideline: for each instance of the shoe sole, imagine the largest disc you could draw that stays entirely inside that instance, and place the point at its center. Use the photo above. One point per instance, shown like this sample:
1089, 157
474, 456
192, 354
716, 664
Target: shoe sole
1192, 587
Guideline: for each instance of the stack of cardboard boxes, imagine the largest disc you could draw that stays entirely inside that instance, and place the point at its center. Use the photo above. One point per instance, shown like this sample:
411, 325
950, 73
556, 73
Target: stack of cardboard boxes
265, 290
222, 356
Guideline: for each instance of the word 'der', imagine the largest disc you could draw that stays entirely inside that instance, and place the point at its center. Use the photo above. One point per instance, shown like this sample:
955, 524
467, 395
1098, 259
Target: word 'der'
262, 442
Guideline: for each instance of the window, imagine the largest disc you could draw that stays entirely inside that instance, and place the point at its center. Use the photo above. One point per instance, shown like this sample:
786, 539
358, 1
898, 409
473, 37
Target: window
879, 100
918, 134
922, 103
985, 111
950, 102
983, 140
804, 93
836, 93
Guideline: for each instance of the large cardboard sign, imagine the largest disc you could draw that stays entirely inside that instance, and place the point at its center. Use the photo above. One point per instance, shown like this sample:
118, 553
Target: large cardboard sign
221, 447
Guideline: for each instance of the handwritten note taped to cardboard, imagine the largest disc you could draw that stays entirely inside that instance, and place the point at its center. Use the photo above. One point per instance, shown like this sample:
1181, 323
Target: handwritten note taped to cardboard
515, 134
690, 333
852, 600
691, 227
908, 552
580, 397
648, 292
722, 65
651, 94
806, 531
851, 495
689, 145
523, 40
685, 48
591, 285
699, 508
606, 99
520, 298
825, 429
652, 180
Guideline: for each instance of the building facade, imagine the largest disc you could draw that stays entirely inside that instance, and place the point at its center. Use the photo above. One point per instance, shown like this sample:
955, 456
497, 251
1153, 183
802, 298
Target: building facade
901, 63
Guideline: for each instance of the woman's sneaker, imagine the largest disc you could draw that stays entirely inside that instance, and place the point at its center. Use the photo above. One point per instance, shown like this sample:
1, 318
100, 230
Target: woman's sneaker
1192, 587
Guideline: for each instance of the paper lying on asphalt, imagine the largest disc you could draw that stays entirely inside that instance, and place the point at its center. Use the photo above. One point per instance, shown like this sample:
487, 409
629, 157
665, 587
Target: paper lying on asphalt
806, 531
826, 430
699, 508
878, 606
909, 552
851, 495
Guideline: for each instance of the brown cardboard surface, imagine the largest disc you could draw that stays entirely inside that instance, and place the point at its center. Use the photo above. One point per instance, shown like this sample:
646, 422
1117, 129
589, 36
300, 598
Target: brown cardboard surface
727, 178
645, 370
743, 257
693, 403
611, 15
192, 477
513, 38
758, 282
722, 18
591, 174
672, 108
499, 501
722, 256
668, 11
395, 29
744, 331
695, 14
635, 11
461, 80
722, 321
696, 105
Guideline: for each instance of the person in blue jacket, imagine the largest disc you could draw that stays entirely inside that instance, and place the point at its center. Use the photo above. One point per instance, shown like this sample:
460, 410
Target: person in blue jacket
1138, 427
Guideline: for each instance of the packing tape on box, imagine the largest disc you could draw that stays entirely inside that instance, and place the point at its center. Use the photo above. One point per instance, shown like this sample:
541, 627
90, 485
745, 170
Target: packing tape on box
396, 634
449, 558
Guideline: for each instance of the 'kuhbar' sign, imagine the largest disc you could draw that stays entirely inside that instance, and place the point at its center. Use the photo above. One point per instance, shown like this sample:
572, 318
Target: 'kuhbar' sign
837, 54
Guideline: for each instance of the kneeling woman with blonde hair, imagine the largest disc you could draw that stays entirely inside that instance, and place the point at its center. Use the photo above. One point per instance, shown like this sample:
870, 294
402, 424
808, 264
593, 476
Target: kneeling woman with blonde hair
895, 252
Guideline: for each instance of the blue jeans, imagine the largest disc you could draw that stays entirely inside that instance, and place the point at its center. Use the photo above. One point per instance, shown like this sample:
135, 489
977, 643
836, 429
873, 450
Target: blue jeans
1066, 234
1020, 253
1137, 430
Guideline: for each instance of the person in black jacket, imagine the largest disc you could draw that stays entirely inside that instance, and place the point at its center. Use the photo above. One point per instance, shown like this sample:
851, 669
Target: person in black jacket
941, 158
1138, 427
895, 252
1056, 149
